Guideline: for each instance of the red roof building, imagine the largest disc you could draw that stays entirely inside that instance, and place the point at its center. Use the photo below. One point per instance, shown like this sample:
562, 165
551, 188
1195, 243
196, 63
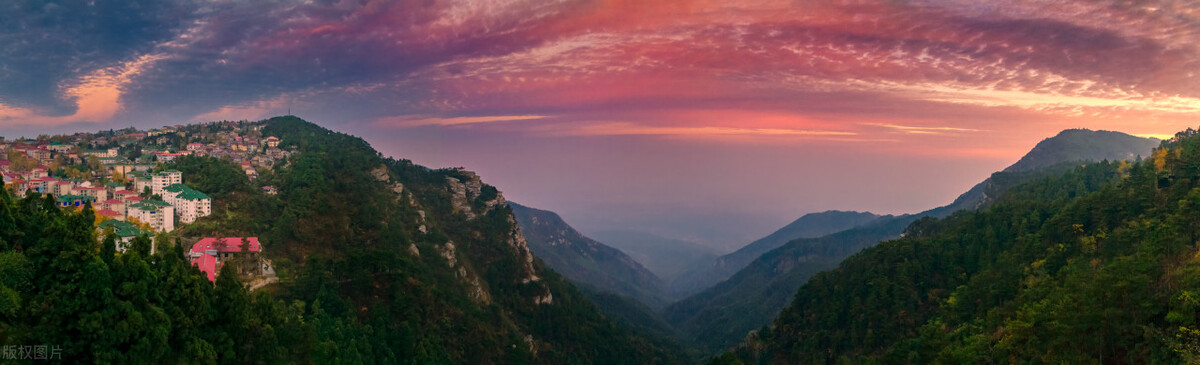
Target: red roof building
208, 253
208, 265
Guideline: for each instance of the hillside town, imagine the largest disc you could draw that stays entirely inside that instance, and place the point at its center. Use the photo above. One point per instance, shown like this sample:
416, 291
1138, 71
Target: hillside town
125, 176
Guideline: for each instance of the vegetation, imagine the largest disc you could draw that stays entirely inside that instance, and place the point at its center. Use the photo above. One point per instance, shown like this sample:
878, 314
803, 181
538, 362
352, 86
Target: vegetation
1099, 265
584, 260
360, 281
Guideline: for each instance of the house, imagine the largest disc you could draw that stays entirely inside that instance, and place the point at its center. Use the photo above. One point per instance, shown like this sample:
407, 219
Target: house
125, 232
195, 147
210, 253
59, 147
167, 157
74, 200
156, 213
271, 141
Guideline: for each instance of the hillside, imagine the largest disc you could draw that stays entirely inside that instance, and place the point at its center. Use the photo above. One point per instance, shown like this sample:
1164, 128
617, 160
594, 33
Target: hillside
810, 225
380, 261
584, 260
720, 317
665, 257
1098, 265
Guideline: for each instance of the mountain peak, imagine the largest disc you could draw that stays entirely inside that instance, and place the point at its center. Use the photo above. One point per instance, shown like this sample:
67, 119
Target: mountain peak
1080, 144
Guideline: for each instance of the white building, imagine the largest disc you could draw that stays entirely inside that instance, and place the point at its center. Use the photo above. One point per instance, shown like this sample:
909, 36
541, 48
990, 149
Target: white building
162, 180
156, 213
189, 203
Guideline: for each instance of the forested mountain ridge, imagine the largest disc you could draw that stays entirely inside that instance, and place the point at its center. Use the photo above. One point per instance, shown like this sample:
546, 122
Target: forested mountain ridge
380, 261
584, 260
1097, 265
808, 226
720, 317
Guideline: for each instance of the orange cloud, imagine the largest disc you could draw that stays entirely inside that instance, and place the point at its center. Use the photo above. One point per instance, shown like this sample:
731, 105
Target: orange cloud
97, 95
407, 121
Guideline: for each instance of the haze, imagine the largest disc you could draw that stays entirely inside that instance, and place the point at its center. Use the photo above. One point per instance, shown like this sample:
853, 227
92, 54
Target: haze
715, 121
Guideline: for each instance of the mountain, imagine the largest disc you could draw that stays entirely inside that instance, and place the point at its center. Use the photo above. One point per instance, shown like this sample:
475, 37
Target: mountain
810, 225
1097, 265
1073, 145
720, 317
584, 260
665, 257
379, 261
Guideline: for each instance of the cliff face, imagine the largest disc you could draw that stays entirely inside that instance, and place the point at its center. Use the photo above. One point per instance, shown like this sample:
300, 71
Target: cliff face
586, 261
437, 248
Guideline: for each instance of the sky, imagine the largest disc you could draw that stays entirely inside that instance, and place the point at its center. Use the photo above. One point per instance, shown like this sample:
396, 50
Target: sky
710, 120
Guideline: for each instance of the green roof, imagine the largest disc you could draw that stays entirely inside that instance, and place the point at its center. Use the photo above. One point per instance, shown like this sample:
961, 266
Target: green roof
113, 184
190, 194
121, 228
150, 204
72, 198
176, 188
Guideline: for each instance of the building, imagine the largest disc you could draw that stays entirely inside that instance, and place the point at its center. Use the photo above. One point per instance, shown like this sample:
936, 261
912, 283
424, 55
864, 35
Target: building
189, 203
161, 180
63, 187
97, 192
271, 141
125, 232
167, 157
116, 205
210, 253
75, 201
111, 152
157, 213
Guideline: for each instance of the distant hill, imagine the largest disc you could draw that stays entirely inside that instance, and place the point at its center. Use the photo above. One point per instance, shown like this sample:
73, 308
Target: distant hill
720, 317
810, 225
584, 260
1094, 265
666, 257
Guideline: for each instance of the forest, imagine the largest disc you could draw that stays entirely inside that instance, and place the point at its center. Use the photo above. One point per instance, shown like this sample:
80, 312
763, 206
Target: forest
351, 288
1097, 265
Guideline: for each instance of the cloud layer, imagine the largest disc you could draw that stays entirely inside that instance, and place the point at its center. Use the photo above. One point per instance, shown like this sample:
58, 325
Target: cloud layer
982, 80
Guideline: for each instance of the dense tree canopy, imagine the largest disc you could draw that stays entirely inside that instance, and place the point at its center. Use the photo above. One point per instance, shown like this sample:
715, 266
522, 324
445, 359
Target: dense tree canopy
1097, 265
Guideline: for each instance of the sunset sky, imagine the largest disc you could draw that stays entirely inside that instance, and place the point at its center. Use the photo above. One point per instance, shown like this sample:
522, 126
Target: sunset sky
716, 121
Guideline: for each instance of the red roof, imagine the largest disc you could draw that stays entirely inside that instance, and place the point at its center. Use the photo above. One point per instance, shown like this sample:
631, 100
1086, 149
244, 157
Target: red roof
225, 244
124, 192
5, 163
63, 182
108, 213
113, 201
208, 265
133, 198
